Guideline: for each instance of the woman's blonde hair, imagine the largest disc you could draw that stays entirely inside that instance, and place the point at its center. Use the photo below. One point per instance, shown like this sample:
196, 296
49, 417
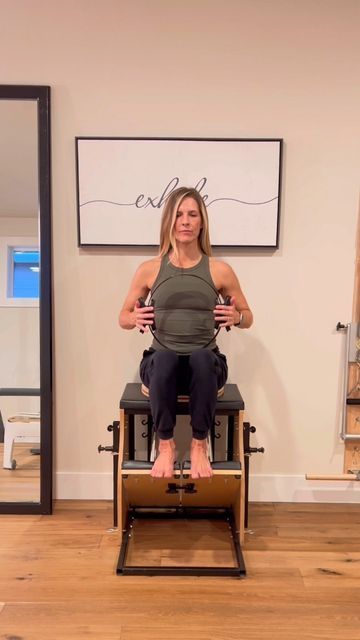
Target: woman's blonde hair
168, 218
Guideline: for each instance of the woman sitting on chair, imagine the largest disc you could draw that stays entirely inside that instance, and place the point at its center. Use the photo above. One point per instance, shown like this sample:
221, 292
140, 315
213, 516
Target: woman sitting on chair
184, 281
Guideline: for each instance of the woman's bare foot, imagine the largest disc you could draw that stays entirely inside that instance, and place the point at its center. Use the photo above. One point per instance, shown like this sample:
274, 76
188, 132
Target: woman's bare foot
200, 465
163, 466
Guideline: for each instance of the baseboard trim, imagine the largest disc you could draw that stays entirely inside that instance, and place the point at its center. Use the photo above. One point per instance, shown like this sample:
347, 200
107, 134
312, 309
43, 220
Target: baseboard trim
263, 488
279, 488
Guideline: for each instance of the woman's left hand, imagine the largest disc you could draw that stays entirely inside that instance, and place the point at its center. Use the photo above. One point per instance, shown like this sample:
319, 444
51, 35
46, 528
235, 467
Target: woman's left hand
226, 315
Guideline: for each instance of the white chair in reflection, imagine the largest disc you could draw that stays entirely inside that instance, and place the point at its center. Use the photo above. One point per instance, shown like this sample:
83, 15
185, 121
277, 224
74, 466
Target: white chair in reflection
22, 427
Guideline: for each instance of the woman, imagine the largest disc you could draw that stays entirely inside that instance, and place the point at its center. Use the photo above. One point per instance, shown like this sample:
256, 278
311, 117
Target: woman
184, 280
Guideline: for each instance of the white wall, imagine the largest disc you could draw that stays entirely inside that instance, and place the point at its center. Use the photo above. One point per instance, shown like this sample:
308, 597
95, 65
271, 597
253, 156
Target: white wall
246, 68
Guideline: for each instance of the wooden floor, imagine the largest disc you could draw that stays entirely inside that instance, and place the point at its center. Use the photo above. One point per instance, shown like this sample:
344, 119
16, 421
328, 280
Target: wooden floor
57, 579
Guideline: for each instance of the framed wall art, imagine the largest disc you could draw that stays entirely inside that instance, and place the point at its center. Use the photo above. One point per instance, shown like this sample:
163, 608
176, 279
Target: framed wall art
123, 184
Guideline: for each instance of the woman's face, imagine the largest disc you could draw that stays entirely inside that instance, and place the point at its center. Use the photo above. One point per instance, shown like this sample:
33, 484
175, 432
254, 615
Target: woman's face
188, 222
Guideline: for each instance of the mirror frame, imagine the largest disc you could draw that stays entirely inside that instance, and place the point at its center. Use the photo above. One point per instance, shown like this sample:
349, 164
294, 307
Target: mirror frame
41, 94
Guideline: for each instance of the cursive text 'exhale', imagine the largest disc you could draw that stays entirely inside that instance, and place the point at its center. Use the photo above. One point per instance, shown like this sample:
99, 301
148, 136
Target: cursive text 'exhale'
143, 201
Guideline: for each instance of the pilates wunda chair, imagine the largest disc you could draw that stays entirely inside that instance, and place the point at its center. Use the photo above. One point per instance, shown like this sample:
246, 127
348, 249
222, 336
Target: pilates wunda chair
137, 495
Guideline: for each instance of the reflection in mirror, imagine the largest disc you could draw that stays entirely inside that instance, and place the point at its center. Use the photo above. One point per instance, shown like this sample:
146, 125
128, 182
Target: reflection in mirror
19, 303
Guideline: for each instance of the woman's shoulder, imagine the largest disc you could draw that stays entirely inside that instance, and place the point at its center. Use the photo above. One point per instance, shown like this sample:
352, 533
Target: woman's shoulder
219, 266
149, 266
221, 272
149, 269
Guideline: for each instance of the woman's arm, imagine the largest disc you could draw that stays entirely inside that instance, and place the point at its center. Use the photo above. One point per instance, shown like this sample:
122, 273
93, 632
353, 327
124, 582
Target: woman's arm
132, 314
238, 312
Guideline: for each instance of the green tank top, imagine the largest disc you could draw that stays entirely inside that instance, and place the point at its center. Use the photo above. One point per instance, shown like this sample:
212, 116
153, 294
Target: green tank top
184, 301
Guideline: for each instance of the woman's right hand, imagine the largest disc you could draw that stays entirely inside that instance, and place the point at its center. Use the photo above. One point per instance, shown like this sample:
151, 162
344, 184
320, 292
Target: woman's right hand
143, 317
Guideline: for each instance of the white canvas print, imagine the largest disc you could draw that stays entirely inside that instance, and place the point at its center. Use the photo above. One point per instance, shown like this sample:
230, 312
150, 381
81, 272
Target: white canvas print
123, 184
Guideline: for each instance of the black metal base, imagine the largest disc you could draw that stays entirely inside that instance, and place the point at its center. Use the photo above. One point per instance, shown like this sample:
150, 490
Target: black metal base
239, 571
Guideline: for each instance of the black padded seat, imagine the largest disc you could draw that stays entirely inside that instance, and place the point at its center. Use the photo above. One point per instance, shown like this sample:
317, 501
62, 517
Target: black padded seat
134, 401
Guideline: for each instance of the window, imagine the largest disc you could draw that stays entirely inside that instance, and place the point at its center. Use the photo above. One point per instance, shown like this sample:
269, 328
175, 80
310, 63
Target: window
24, 273
19, 272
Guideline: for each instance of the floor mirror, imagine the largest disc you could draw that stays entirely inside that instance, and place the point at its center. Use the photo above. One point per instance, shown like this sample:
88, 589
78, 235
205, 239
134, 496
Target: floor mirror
25, 301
